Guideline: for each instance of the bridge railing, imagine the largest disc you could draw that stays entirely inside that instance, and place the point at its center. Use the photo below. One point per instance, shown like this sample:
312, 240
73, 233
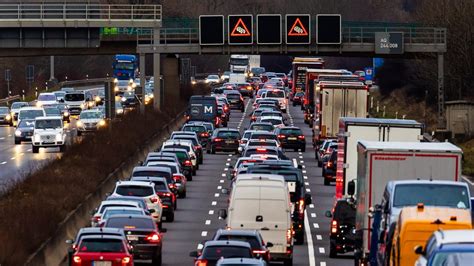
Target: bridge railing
350, 35
79, 11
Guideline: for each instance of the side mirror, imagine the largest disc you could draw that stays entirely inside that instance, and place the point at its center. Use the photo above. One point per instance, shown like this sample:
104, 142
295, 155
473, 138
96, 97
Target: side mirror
351, 188
300, 166
163, 230
222, 214
328, 214
151, 211
69, 241
193, 254
307, 199
419, 250
269, 244
140, 162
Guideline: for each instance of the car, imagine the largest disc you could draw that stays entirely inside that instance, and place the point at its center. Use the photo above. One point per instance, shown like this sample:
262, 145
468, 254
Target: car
111, 211
97, 212
196, 157
5, 116
276, 121
224, 119
24, 131
76, 102
241, 261
90, 231
212, 79
224, 139
167, 197
122, 86
180, 180
195, 142
236, 101
14, 110
161, 156
119, 111
342, 226
142, 233
95, 248
280, 95
89, 121
100, 97
141, 202
59, 95
243, 162
225, 76
156, 171
183, 133
298, 98
330, 167
245, 138
67, 89
200, 129
185, 161
30, 113
447, 247
262, 126
217, 249
145, 190
321, 150
52, 110
46, 99
253, 237
245, 89
48, 132
129, 99
291, 138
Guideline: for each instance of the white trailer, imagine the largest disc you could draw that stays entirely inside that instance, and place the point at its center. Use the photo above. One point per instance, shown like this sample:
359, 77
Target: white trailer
381, 162
352, 129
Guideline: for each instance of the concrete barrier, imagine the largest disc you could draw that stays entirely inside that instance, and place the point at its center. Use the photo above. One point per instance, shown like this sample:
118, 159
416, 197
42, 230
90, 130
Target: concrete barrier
54, 249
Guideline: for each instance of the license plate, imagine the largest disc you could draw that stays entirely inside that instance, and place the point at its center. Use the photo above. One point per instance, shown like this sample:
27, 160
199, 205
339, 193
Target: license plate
102, 263
291, 138
229, 141
291, 187
132, 238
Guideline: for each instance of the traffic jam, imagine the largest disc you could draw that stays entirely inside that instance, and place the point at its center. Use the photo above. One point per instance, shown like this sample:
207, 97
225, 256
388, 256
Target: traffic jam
275, 168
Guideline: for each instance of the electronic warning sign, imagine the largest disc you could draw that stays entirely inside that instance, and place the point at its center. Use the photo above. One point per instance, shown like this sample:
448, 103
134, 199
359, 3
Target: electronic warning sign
240, 28
328, 29
298, 29
211, 30
269, 29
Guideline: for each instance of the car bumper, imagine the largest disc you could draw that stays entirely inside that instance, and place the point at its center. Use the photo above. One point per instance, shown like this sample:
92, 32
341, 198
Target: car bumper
292, 144
278, 256
330, 173
49, 144
145, 251
226, 147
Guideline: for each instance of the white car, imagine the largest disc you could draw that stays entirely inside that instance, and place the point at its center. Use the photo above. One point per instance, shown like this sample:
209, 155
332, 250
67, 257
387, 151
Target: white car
124, 85
111, 211
245, 138
76, 102
45, 99
280, 95
188, 145
97, 213
48, 132
211, 79
276, 121
145, 190
90, 120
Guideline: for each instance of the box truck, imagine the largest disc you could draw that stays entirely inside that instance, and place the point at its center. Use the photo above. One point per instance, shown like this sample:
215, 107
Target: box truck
300, 64
352, 129
382, 162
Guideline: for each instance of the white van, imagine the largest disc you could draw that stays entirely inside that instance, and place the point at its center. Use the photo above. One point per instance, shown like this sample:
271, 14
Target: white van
270, 212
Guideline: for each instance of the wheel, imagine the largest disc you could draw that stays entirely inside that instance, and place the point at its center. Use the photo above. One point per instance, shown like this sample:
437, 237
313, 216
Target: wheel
302, 108
79, 133
62, 148
156, 260
208, 151
294, 103
299, 238
332, 250
224, 124
284, 111
242, 110
213, 151
17, 141
35, 149
183, 195
175, 205
189, 177
194, 171
197, 165
170, 217
319, 163
327, 182
288, 262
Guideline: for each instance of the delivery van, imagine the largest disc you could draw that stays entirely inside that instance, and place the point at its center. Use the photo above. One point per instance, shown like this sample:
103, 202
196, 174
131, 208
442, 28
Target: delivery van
262, 202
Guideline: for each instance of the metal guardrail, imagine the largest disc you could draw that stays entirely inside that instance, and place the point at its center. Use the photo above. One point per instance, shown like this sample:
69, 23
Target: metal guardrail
9, 99
79, 11
350, 35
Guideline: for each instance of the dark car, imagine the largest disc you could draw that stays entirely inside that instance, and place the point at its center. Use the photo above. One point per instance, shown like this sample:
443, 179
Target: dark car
262, 126
235, 100
215, 250
342, 238
224, 139
63, 108
245, 89
200, 129
291, 138
197, 145
298, 196
253, 237
185, 161
167, 197
330, 167
298, 98
24, 131
142, 233
5, 116
129, 99
223, 116
202, 108
156, 171
90, 231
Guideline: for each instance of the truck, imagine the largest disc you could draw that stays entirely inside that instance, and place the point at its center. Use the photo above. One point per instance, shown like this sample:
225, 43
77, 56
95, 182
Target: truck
203, 108
299, 66
125, 67
333, 100
237, 78
239, 64
382, 162
254, 66
352, 129
312, 78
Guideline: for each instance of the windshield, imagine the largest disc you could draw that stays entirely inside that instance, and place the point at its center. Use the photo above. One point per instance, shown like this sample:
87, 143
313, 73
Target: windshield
215, 253
273, 121
48, 124
130, 223
26, 123
429, 194
129, 94
138, 200
239, 62
74, 97
453, 258
18, 105
151, 173
109, 213
291, 131
194, 128
3, 110
139, 191
212, 77
266, 113
102, 245
261, 127
228, 134
125, 66
233, 96
90, 115
46, 97
275, 94
31, 114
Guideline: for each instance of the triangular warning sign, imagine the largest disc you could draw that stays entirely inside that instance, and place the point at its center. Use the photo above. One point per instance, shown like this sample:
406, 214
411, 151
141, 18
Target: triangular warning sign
240, 29
297, 29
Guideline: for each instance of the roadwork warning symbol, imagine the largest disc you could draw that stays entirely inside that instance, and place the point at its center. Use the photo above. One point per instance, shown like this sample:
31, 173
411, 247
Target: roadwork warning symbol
240, 29
298, 29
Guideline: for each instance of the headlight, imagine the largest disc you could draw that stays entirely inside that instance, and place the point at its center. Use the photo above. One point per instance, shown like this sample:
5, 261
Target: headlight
116, 89
37, 138
124, 99
66, 113
134, 85
251, 74
79, 124
8, 117
18, 133
193, 82
39, 104
129, 88
119, 111
115, 80
83, 106
151, 96
91, 104
97, 99
131, 81
207, 81
102, 123
59, 137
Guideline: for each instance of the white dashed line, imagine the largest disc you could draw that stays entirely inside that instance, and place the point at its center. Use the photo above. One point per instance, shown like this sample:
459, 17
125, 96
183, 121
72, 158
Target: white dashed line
228, 159
230, 155
301, 157
306, 183
321, 250
208, 222
227, 164
214, 203
223, 175
211, 212
204, 233
313, 215
28, 150
304, 166
319, 237
216, 195
3, 162
300, 153
226, 169
323, 263
219, 187
221, 181
12, 158
315, 225
311, 206
305, 177
10, 135
308, 190
304, 171
301, 161
2, 138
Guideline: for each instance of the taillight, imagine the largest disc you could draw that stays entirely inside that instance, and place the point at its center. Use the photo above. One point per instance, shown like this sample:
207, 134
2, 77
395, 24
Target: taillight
153, 238
96, 219
289, 235
256, 251
261, 149
301, 137
217, 140
154, 199
201, 263
76, 259
254, 118
329, 164
281, 136
177, 177
301, 206
172, 186
188, 163
249, 87
126, 260
204, 134
334, 227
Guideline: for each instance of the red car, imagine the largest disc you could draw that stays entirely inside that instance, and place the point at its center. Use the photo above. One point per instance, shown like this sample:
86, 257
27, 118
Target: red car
103, 250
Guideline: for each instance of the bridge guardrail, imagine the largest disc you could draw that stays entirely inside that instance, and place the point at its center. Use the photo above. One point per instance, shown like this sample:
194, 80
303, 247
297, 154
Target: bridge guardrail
9, 99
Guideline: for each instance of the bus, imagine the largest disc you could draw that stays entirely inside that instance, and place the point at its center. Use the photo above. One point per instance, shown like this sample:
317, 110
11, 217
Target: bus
125, 67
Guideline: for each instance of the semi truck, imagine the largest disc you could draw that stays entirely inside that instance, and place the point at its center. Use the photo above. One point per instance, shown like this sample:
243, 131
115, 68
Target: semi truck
382, 162
299, 67
333, 100
125, 67
239, 64
352, 129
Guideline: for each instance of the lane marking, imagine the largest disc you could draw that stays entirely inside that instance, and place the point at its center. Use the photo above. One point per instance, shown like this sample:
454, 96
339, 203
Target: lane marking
227, 164
211, 212
219, 187
301, 157
10, 135
214, 203
208, 222
304, 171
306, 183
319, 237
308, 190
311, 206
28, 150
305, 177
301, 161
204, 233
4, 162
313, 215
228, 160
216, 195
2, 138
226, 169
321, 250
223, 175
230, 155
221, 181
12, 158
315, 225
309, 239
323, 263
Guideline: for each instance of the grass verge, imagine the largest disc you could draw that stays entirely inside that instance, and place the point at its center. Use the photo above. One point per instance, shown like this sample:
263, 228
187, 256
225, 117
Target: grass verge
468, 162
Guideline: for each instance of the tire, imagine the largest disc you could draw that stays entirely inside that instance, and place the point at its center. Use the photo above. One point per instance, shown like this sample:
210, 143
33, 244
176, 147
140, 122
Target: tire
62, 148
170, 217
17, 141
303, 149
285, 111
327, 182
302, 108
332, 250
288, 262
175, 205
194, 171
183, 195
294, 103
156, 260
320, 163
208, 151
197, 165
213, 151
189, 178
35, 149
299, 238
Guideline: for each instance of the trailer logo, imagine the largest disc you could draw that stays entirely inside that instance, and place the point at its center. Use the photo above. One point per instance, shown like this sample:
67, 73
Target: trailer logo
240, 29
208, 109
387, 158
298, 29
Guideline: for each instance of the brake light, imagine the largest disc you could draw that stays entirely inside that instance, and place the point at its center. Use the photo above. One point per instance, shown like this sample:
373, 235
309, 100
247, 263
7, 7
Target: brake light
256, 251
177, 177
217, 140
261, 149
198, 147
226, 108
334, 227
201, 263
172, 186
329, 164
96, 219
289, 235
76, 259
301, 206
301, 136
126, 260
254, 118
188, 163
204, 134
281, 136
153, 238
154, 199
249, 88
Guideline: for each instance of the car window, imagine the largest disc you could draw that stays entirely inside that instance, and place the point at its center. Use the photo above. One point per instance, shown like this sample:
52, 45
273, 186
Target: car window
261, 127
52, 111
260, 151
291, 131
46, 97
90, 115
138, 191
140, 201
428, 194
151, 173
228, 134
275, 94
252, 240
74, 97
31, 114
233, 96
130, 223
19, 105
453, 258
26, 123
102, 245
215, 253
109, 213
48, 124
194, 128
344, 212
